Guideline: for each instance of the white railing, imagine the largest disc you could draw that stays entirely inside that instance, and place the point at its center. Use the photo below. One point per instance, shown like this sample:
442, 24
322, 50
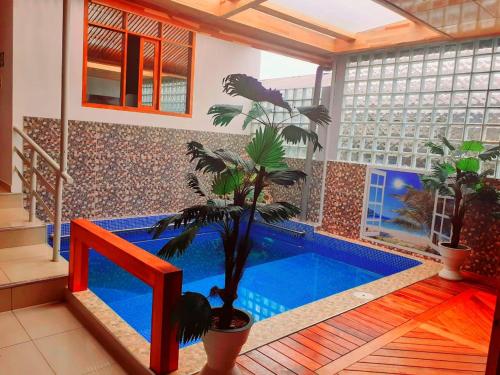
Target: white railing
37, 179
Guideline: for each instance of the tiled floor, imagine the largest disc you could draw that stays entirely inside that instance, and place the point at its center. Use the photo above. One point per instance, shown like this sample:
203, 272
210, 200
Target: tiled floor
48, 339
431, 327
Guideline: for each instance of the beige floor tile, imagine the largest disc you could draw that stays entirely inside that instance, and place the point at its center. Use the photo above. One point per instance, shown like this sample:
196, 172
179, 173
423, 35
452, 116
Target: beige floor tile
23, 359
45, 320
3, 278
38, 293
109, 370
73, 352
33, 269
11, 331
23, 252
5, 299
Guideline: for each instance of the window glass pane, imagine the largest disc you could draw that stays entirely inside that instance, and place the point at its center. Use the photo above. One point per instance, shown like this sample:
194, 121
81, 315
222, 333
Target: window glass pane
148, 73
176, 65
104, 66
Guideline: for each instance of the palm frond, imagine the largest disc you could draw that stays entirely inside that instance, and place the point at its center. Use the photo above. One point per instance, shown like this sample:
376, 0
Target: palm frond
178, 245
295, 134
448, 144
250, 88
193, 314
435, 148
223, 114
208, 161
227, 182
163, 224
194, 183
266, 149
278, 211
490, 154
255, 113
317, 114
286, 177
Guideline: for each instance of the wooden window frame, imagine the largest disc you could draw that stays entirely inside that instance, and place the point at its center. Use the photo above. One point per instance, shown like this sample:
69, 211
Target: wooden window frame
128, 8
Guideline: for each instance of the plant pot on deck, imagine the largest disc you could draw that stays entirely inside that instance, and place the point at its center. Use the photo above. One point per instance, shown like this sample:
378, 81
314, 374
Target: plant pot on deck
224, 345
453, 258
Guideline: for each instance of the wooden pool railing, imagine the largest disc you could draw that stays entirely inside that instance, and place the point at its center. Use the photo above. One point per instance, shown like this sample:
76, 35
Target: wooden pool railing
164, 278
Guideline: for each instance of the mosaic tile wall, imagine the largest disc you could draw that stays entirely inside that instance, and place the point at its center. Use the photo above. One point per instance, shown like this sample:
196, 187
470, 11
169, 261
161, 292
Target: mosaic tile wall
345, 184
121, 170
294, 194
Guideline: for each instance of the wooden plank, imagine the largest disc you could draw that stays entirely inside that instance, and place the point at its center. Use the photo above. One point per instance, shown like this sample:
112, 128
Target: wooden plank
251, 366
340, 324
360, 327
436, 363
324, 338
313, 345
433, 348
305, 350
386, 317
342, 338
407, 370
268, 363
285, 361
370, 319
295, 355
229, 8
419, 341
430, 355
305, 21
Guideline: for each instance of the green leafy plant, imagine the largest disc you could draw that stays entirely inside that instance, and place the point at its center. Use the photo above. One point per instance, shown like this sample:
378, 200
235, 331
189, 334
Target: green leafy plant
458, 175
232, 197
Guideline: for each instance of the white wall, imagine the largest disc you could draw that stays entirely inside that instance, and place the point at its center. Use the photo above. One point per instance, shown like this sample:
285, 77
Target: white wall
6, 92
37, 56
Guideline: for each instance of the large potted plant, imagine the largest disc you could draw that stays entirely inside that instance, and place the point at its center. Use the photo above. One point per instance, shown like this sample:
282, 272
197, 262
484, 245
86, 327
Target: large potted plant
458, 175
232, 203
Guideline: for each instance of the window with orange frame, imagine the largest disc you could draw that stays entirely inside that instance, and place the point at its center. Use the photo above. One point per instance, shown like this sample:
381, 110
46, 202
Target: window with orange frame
136, 62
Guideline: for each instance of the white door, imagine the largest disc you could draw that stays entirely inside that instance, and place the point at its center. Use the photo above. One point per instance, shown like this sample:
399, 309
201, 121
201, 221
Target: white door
375, 204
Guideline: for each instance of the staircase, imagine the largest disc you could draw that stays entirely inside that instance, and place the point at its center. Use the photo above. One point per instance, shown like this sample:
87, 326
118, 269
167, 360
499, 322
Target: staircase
28, 276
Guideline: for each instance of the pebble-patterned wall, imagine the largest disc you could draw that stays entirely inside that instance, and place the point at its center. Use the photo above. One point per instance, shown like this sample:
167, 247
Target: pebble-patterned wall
294, 194
122, 170
345, 184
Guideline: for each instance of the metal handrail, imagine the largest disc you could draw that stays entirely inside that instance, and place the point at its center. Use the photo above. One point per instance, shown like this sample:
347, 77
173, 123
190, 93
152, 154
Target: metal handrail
40, 151
36, 178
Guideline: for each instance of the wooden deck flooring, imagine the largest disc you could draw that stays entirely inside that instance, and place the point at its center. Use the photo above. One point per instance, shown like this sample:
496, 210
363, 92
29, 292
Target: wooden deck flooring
431, 327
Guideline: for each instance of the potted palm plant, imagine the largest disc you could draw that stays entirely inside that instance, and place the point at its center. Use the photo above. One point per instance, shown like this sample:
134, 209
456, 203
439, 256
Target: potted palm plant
457, 175
232, 203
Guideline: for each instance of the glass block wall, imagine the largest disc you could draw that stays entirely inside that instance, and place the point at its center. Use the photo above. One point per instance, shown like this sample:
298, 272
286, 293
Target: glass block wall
173, 96
395, 101
297, 97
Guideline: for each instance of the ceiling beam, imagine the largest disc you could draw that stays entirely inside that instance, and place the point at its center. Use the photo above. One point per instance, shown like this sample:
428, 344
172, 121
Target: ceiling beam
269, 24
304, 21
391, 6
389, 36
229, 8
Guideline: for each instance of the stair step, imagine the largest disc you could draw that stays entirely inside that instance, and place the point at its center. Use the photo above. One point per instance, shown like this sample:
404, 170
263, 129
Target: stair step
11, 200
22, 264
16, 217
30, 234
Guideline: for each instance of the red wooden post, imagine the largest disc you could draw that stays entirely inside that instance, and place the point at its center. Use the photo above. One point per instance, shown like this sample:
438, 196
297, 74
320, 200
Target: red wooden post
78, 262
164, 356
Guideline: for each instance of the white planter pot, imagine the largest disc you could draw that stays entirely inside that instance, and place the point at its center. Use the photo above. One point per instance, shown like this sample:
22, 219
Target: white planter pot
223, 347
452, 260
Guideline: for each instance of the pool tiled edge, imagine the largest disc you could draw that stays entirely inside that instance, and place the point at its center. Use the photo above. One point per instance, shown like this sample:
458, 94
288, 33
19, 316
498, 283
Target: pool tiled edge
263, 332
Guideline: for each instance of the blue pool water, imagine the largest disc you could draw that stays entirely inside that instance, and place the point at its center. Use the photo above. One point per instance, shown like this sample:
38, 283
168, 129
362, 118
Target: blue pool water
284, 271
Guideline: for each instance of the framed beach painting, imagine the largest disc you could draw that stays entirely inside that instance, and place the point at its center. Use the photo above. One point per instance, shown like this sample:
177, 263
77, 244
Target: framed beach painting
398, 211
